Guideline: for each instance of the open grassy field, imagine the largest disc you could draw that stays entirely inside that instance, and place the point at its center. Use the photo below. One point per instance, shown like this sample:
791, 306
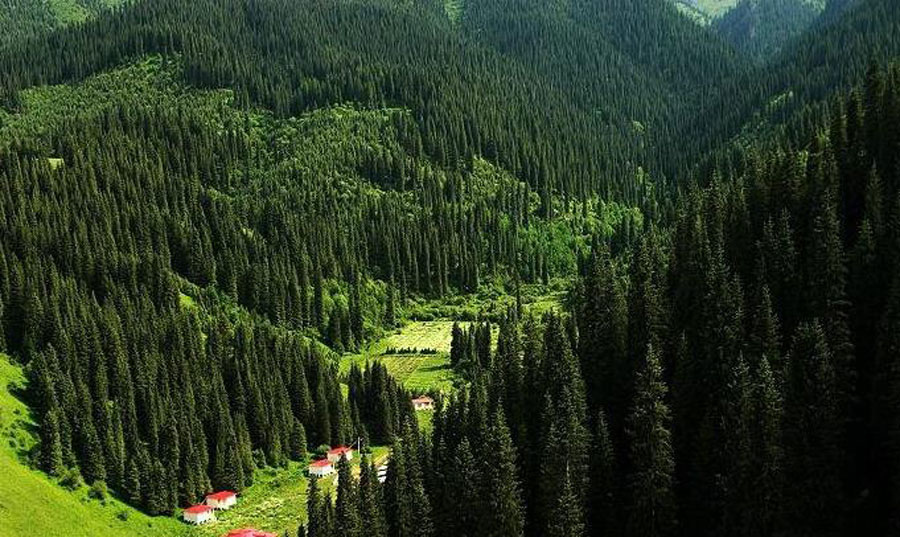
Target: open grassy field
419, 371
34, 505
275, 502
277, 499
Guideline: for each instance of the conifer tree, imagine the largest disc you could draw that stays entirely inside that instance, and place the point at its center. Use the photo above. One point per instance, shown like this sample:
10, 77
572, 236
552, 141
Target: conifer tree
347, 519
812, 434
602, 499
650, 479
768, 454
370, 502
504, 513
314, 524
566, 519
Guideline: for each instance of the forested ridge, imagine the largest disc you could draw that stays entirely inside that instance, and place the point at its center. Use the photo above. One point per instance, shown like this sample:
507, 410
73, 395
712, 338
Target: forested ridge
735, 374
205, 204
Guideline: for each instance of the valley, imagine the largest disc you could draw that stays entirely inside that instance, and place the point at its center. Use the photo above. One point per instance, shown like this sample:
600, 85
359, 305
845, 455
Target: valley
586, 267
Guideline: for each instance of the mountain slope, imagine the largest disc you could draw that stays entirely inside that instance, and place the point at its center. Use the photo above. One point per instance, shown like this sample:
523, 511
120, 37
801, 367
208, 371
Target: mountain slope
760, 28
33, 505
25, 18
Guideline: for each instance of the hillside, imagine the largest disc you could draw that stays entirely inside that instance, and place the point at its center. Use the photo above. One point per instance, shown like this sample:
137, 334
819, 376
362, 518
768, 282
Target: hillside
26, 18
33, 505
631, 257
761, 28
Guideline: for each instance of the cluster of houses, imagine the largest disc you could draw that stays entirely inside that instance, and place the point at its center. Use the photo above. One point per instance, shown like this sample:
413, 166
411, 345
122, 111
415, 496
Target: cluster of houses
206, 511
325, 467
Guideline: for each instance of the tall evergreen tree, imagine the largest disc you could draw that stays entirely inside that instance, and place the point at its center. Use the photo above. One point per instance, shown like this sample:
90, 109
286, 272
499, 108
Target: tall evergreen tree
652, 465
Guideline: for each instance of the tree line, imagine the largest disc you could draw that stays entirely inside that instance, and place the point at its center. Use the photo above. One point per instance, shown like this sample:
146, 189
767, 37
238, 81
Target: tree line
735, 374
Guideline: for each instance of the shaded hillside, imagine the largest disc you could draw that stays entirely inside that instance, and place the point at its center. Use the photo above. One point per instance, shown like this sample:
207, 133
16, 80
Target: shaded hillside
793, 88
761, 28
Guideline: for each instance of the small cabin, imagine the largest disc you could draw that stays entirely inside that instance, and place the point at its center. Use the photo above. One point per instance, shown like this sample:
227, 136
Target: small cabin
423, 403
334, 455
321, 468
221, 500
199, 514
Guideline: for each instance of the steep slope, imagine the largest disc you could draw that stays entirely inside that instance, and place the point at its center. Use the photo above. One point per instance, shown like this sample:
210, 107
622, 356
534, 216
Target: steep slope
794, 87
33, 505
760, 28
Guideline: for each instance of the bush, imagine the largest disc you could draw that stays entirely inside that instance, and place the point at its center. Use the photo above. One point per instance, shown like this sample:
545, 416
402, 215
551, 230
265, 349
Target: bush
71, 479
321, 451
98, 490
123, 515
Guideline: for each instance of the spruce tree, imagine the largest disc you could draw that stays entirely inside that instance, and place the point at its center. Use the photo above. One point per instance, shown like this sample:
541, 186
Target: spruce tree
811, 434
504, 516
347, 519
650, 479
566, 519
602, 499
768, 454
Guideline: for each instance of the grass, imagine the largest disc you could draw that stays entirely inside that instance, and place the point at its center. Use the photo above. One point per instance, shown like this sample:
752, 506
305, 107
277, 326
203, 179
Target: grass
419, 371
275, 502
186, 301
34, 505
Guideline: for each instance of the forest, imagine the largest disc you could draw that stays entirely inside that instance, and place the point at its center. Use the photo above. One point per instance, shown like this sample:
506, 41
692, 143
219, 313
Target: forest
206, 205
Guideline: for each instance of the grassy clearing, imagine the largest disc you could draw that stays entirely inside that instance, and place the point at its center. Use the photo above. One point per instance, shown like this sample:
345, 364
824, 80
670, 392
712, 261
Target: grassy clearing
716, 8
34, 505
275, 502
419, 371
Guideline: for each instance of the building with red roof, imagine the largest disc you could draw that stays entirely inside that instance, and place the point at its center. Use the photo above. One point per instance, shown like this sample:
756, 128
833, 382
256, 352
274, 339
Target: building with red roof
199, 514
221, 500
335, 454
321, 468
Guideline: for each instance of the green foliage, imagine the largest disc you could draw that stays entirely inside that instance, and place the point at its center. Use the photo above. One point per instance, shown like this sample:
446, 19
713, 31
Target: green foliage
98, 491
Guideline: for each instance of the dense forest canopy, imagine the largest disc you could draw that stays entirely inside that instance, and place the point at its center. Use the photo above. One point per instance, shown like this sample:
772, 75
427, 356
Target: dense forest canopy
205, 204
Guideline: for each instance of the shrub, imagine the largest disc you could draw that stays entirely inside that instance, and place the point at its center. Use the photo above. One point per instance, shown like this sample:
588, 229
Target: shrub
98, 490
71, 479
321, 451
123, 515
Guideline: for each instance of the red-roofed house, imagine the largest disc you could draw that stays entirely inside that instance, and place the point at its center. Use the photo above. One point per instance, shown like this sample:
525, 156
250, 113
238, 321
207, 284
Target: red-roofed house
334, 455
199, 514
249, 532
423, 403
321, 468
221, 500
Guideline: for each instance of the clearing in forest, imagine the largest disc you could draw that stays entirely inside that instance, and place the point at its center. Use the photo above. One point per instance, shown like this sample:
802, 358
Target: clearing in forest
418, 355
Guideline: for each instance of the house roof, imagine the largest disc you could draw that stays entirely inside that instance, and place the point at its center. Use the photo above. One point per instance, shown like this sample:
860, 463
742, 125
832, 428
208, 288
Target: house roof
197, 509
423, 399
339, 450
221, 495
320, 464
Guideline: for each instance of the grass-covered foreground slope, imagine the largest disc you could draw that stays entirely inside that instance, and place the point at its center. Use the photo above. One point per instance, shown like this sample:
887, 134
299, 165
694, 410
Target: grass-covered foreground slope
34, 505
